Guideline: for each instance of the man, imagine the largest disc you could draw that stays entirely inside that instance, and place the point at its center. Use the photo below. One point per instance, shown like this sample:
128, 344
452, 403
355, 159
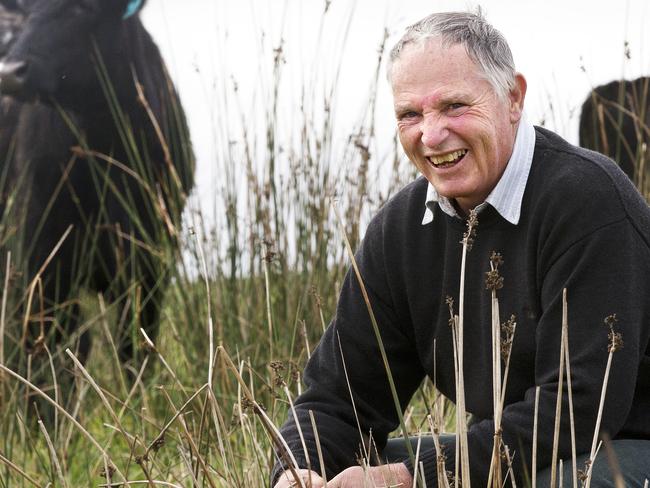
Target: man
561, 217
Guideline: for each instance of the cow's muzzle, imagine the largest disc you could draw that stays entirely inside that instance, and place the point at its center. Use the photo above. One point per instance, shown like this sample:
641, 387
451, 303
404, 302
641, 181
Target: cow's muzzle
13, 75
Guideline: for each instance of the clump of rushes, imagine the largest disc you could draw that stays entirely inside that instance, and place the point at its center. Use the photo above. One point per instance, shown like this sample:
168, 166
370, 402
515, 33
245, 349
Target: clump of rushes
615, 344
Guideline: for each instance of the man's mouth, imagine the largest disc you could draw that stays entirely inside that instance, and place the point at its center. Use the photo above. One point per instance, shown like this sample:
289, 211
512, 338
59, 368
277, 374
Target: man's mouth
448, 159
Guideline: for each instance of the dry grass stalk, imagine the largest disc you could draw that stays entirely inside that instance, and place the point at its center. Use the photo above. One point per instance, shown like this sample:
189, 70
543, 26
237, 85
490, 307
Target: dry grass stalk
534, 454
116, 359
366, 448
619, 481
190, 440
493, 283
53, 455
206, 282
64, 412
267, 287
318, 448
300, 434
101, 395
152, 347
375, 327
20, 471
461, 413
558, 403
615, 344
267, 423
3, 318
565, 331
140, 482
441, 470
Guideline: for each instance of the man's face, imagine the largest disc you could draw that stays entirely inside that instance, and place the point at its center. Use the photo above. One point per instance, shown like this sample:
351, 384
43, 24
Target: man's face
451, 123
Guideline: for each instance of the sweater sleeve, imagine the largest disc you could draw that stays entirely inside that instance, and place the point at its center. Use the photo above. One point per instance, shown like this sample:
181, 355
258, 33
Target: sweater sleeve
605, 272
347, 386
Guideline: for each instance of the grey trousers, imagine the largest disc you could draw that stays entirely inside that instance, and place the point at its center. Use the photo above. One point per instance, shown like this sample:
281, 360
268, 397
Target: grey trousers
633, 456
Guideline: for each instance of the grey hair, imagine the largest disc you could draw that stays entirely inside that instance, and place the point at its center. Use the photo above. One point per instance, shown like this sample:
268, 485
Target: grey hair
484, 44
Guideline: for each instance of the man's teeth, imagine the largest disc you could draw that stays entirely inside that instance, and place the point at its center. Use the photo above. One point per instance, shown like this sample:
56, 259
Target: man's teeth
447, 158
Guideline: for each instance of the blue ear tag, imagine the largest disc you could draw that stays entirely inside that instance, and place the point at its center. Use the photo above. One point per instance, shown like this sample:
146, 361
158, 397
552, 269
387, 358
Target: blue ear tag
132, 8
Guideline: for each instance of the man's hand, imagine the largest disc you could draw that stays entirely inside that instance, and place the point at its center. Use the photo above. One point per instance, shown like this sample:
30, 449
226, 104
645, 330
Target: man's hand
286, 479
391, 475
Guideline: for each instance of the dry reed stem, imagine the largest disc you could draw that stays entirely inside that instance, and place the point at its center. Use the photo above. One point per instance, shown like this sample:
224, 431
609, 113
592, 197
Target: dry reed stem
495, 476
161, 434
302, 437
53, 455
64, 412
111, 342
179, 415
565, 329
267, 289
153, 348
18, 470
140, 482
267, 423
318, 448
510, 472
441, 470
534, 454
619, 481
375, 327
49, 258
646, 484
558, 403
220, 428
206, 282
3, 317
366, 449
454, 339
601, 404
460, 387
101, 395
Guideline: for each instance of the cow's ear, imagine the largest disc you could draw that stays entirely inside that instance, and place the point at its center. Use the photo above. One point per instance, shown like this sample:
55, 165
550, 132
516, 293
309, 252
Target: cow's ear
132, 8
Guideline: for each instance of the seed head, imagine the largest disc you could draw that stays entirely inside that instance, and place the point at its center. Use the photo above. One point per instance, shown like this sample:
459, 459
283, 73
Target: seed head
468, 237
615, 338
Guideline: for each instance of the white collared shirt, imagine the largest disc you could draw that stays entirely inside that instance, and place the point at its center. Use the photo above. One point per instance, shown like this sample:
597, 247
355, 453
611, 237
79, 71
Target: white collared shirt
507, 195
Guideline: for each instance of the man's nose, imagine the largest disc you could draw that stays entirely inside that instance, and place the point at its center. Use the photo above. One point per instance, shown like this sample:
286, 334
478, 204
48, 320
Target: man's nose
434, 130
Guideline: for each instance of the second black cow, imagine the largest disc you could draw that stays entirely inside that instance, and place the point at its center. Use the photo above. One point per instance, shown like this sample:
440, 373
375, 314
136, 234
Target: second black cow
96, 162
615, 120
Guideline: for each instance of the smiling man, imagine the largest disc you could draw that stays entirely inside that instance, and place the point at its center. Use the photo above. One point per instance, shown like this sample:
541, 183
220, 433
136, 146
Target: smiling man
561, 218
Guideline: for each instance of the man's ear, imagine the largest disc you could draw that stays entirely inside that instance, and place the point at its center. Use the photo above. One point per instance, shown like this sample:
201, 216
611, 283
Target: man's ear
516, 97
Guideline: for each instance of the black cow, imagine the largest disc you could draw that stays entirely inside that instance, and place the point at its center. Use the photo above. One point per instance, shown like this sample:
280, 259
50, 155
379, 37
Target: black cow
89, 162
615, 121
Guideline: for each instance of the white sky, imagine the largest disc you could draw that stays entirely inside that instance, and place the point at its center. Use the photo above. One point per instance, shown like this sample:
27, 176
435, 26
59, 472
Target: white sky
563, 47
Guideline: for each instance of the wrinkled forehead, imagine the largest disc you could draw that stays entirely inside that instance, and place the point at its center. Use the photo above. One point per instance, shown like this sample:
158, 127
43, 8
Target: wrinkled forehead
434, 52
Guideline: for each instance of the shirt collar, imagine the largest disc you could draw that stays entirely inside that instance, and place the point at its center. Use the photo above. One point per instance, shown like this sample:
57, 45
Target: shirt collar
507, 195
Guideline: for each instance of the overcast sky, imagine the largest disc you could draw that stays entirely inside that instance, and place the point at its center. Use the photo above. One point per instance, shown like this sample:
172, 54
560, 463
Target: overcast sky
563, 47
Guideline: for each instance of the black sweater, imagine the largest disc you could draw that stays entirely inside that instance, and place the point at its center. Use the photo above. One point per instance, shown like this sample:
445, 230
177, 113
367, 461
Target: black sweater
583, 227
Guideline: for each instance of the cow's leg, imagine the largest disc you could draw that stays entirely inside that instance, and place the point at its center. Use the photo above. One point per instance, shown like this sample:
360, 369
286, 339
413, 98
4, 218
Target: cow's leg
144, 312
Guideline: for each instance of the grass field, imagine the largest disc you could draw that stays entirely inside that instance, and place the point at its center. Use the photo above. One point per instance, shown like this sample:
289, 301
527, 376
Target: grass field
250, 295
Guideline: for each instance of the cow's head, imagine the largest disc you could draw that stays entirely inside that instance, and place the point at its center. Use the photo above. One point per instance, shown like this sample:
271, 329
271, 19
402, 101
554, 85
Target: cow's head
54, 55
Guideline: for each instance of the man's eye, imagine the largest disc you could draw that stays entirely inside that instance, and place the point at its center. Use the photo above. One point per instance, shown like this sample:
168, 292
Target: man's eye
408, 115
456, 106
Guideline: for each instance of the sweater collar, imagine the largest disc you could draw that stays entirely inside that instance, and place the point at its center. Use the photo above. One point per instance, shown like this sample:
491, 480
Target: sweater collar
507, 195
